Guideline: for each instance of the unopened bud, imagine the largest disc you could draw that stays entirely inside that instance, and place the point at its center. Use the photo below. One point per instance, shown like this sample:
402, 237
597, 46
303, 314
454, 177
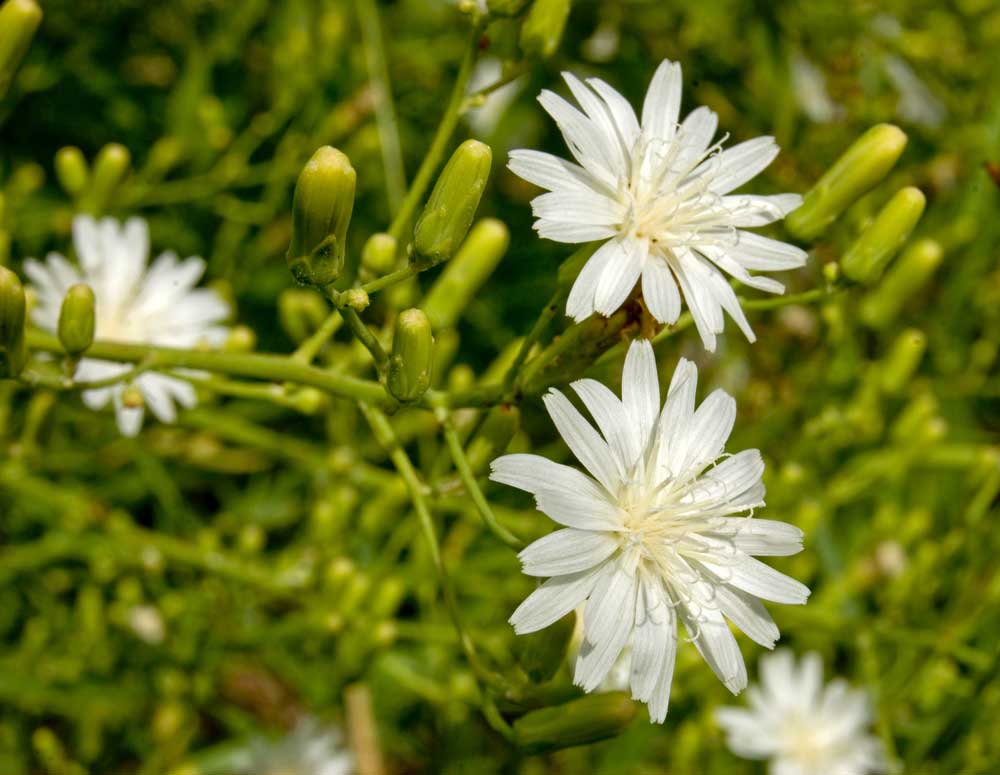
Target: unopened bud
301, 311
899, 366
379, 254
110, 168
543, 27
862, 166
321, 212
491, 440
19, 19
412, 356
465, 274
907, 275
866, 259
542, 653
12, 317
578, 722
241, 339
72, 170
448, 213
76, 320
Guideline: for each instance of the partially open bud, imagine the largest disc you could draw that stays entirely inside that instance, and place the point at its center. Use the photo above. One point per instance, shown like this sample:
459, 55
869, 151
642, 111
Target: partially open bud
542, 653
543, 27
76, 320
465, 274
12, 317
72, 170
379, 254
866, 259
907, 275
301, 311
448, 213
19, 19
321, 212
493, 437
899, 366
578, 722
863, 165
110, 168
412, 356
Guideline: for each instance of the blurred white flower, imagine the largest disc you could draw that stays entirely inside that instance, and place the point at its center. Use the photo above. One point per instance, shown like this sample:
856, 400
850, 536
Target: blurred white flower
916, 103
310, 749
809, 87
484, 119
651, 534
659, 194
802, 726
135, 303
147, 623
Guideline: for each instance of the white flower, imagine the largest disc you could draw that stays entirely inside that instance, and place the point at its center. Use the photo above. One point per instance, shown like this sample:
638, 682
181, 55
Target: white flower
310, 749
651, 535
134, 303
802, 726
659, 194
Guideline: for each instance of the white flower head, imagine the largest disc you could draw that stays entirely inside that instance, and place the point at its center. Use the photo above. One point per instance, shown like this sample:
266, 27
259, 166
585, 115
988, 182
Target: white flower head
661, 529
802, 726
135, 303
310, 749
659, 193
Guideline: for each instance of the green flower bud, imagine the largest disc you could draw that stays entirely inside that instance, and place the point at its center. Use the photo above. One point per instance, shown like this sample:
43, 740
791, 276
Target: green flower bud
506, 7
19, 19
110, 168
494, 435
543, 27
905, 277
76, 320
578, 722
899, 366
321, 212
863, 165
12, 318
448, 213
301, 311
379, 254
542, 653
466, 273
874, 249
241, 339
72, 170
412, 356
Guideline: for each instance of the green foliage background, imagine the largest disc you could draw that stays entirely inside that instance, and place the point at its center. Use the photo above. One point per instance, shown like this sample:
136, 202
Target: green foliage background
279, 547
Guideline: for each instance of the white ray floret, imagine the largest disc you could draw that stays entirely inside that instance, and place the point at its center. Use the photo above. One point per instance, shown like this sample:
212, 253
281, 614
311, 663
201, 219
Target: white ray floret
802, 726
660, 194
659, 529
310, 749
135, 303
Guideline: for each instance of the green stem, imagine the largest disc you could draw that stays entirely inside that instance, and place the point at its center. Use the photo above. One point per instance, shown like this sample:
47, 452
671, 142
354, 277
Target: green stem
310, 347
364, 335
515, 72
545, 318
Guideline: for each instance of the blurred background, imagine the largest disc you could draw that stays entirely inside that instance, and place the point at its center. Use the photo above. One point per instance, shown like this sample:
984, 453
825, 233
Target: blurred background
169, 602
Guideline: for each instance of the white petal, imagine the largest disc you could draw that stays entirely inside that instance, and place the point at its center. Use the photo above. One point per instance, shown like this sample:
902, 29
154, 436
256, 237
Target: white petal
676, 416
710, 428
621, 111
572, 233
743, 162
580, 304
696, 133
641, 388
129, 419
584, 442
749, 210
584, 140
654, 646
720, 256
548, 171
760, 580
766, 537
663, 102
659, 289
607, 620
553, 600
715, 642
620, 275
735, 481
612, 420
597, 111
88, 243
157, 397
580, 206
567, 551
749, 614
704, 307
756, 252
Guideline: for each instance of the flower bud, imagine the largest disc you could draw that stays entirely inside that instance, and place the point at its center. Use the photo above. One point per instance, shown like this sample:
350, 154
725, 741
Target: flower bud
899, 366
301, 311
412, 356
466, 273
871, 252
905, 277
19, 19
110, 168
542, 653
543, 27
321, 212
491, 440
76, 320
578, 722
72, 170
863, 165
12, 318
448, 213
379, 254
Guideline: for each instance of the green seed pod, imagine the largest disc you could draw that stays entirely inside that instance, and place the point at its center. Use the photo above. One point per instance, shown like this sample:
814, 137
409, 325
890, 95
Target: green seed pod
578, 722
862, 166
379, 254
12, 319
543, 27
899, 366
465, 274
449, 211
110, 168
72, 170
301, 311
493, 437
321, 212
412, 356
905, 277
506, 7
19, 19
542, 653
76, 320
866, 259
